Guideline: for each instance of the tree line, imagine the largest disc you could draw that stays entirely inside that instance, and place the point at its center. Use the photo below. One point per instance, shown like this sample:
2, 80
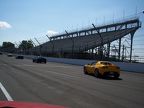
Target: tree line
24, 45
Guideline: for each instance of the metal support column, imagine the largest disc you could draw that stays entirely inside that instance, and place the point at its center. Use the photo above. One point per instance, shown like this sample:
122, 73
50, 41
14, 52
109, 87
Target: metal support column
131, 45
119, 52
108, 49
92, 50
101, 38
123, 53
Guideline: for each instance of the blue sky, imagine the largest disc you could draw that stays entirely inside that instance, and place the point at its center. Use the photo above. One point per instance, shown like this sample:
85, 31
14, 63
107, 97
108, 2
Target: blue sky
34, 18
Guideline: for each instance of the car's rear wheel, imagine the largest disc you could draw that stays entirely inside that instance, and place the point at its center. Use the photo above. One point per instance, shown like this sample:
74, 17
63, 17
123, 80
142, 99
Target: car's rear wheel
116, 75
85, 71
96, 73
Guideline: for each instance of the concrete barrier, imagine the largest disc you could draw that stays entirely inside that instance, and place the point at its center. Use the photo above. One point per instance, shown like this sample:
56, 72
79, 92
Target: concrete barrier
131, 67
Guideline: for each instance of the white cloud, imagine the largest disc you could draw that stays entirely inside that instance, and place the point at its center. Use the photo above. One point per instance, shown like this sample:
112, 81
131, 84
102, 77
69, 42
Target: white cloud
51, 33
4, 25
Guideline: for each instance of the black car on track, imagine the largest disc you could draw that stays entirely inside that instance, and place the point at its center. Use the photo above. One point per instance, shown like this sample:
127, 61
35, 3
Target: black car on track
19, 57
39, 59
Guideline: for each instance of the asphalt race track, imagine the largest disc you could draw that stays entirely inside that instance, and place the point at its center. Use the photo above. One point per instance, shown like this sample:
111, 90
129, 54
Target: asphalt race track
66, 85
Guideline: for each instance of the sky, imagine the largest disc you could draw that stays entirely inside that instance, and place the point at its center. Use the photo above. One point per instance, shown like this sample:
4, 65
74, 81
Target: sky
29, 19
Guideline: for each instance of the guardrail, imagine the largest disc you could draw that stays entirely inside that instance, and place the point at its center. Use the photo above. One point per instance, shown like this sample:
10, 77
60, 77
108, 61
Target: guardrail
130, 67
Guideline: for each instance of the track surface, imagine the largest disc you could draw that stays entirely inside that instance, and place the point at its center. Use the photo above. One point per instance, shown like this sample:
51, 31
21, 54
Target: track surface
66, 85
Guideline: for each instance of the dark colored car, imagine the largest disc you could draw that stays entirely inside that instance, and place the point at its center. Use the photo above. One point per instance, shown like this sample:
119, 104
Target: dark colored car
19, 57
39, 60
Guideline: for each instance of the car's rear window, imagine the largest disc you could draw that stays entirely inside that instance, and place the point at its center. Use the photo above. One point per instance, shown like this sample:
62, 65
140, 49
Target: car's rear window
105, 63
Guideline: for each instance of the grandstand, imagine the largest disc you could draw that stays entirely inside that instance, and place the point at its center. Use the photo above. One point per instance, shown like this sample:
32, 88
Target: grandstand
94, 37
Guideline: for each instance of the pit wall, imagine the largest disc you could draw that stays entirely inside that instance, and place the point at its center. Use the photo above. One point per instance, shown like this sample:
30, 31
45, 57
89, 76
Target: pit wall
130, 67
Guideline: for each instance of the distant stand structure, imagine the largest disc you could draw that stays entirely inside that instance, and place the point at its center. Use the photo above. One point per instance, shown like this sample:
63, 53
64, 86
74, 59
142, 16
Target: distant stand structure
95, 42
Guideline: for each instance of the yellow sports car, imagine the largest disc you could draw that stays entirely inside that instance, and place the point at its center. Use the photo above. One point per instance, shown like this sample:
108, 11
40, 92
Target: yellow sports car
102, 68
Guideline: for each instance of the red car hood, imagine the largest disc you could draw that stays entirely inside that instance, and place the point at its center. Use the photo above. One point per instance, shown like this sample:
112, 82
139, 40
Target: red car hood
14, 104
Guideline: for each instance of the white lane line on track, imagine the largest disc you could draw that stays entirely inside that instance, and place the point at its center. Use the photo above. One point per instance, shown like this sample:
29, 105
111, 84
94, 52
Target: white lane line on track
7, 95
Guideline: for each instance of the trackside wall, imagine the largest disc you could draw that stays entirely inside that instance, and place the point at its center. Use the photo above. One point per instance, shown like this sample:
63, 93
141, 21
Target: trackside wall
131, 67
